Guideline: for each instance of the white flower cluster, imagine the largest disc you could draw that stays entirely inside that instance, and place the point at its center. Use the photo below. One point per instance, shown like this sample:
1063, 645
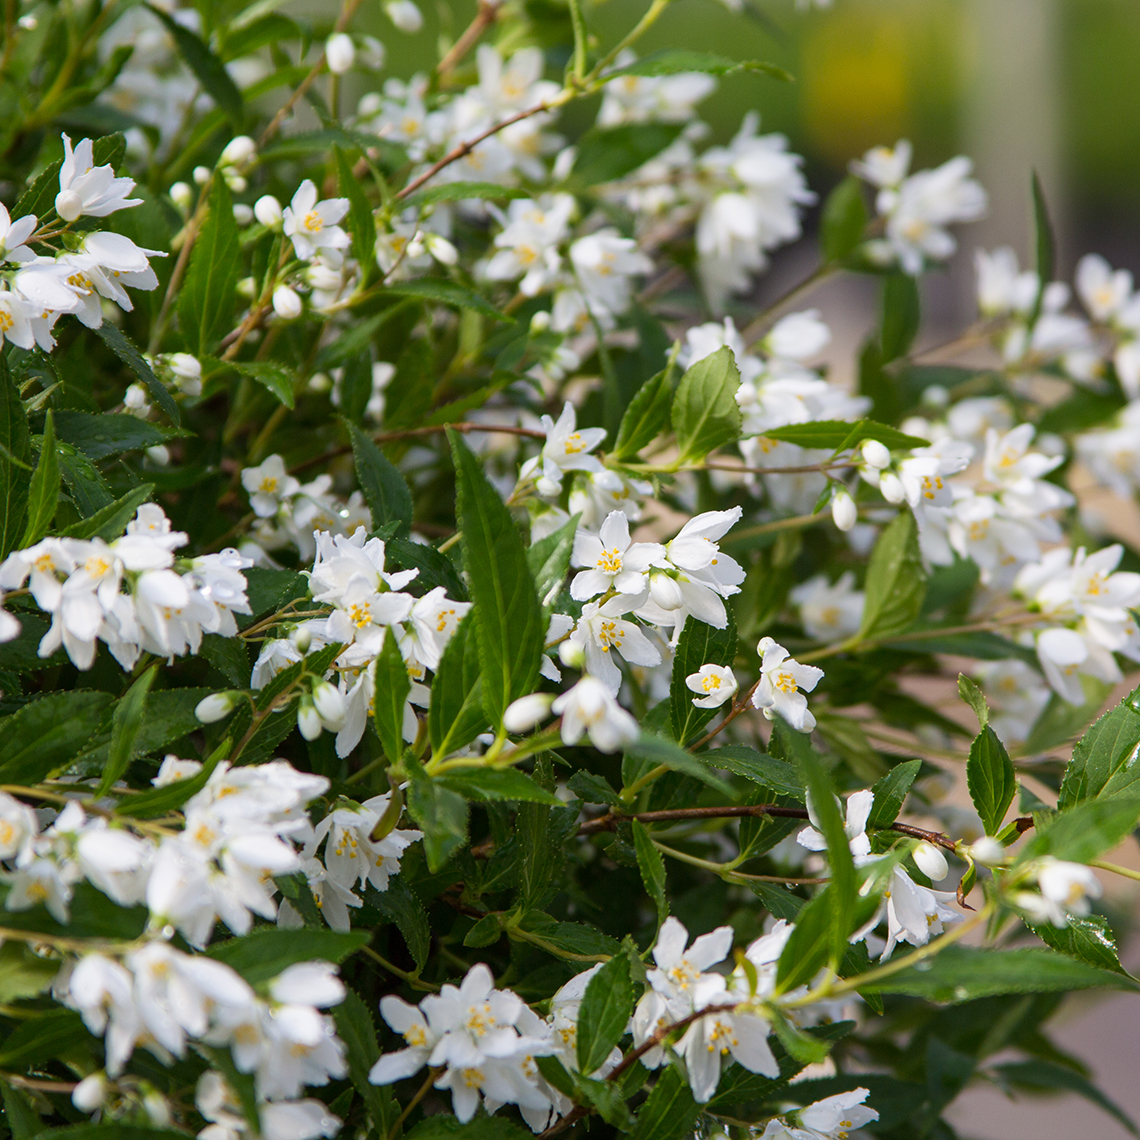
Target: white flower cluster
130, 594
38, 288
160, 998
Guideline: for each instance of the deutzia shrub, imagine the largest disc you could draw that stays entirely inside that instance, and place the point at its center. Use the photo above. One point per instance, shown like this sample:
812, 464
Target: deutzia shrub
466, 672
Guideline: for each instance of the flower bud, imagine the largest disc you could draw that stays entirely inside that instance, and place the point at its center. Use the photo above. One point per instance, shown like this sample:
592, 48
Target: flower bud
234, 181
184, 366
159, 455
68, 205
182, 194
329, 703
876, 454
308, 719
987, 851
931, 862
90, 1093
286, 303
527, 712
215, 707
247, 288
156, 1107
571, 654
243, 214
843, 510
371, 53
302, 639
238, 151
540, 322
664, 591
340, 53
405, 15
891, 488
28, 23
201, 175
441, 249
267, 210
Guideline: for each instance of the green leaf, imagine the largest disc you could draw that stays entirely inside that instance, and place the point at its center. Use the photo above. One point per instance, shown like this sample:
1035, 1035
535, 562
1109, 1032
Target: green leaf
110, 521
42, 1037
126, 721
1108, 753
593, 789
486, 932
652, 868
838, 434
463, 192
991, 779
401, 905
355, 1027
446, 293
651, 750
1045, 1076
608, 153
758, 767
162, 801
391, 693
574, 939
274, 377
549, 561
385, 489
206, 300
48, 733
110, 1130
39, 197
677, 61
896, 581
670, 1112
699, 644
488, 784
705, 412
963, 973
647, 416
456, 716
509, 624
446, 1127
99, 436
22, 973
263, 953
891, 792
901, 315
361, 221
1084, 832
43, 494
1044, 246
22, 1119
15, 462
975, 698
133, 359
604, 1013
435, 569
1087, 937
843, 220
441, 814
209, 70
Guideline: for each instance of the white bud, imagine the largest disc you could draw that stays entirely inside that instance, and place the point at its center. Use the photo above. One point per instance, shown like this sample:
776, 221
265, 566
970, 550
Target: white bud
247, 288
547, 488
340, 53
238, 151
90, 1093
267, 210
156, 1107
201, 175
664, 591
243, 214
308, 719
405, 15
843, 510
215, 707
936, 396
28, 23
371, 53
159, 455
540, 322
302, 640
876, 454
286, 303
184, 366
234, 181
320, 382
571, 654
522, 715
68, 205
891, 488
931, 862
330, 706
441, 249
987, 851
182, 194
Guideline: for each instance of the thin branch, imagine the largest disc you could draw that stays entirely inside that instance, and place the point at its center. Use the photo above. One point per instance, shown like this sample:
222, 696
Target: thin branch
488, 13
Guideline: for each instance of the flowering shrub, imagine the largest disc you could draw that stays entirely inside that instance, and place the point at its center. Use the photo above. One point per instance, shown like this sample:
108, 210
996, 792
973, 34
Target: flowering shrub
399, 538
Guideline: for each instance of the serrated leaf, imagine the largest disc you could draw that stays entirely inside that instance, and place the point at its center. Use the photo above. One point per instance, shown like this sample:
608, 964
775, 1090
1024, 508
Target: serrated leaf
361, 221
705, 413
126, 721
385, 489
549, 561
463, 192
890, 793
896, 581
262, 954
652, 868
446, 293
1087, 937
843, 220
670, 1111
646, 417
209, 290
401, 905
900, 317
991, 779
435, 569
391, 693
1044, 246
441, 815
1084, 832
778, 775
699, 644
836, 434
509, 624
209, 70
653, 750
456, 716
274, 377
15, 462
1108, 753
100, 436
604, 1013
488, 784
110, 521
48, 733
609, 153
133, 359
677, 61
43, 492
24, 974
975, 698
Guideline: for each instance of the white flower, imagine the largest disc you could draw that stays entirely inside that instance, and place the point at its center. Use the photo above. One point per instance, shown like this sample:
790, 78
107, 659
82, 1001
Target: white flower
781, 678
172, 770
914, 913
566, 449
884, 167
1010, 463
829, 612
859, 806
431, 624
87, 189
603, 633
589, 707
833, 1118
1017, 695
679, 969
604, 262
716, 682
312, 225
797, 336
1102, 291
18, 827
525, 713
16, 314
613, 560
1066, 888
405, 15
268, 486
410, 1023
528, 244
13, 234
340, 53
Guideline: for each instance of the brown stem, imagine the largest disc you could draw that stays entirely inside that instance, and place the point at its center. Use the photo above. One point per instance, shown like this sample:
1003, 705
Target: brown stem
488, 13
801, 470
734, 712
